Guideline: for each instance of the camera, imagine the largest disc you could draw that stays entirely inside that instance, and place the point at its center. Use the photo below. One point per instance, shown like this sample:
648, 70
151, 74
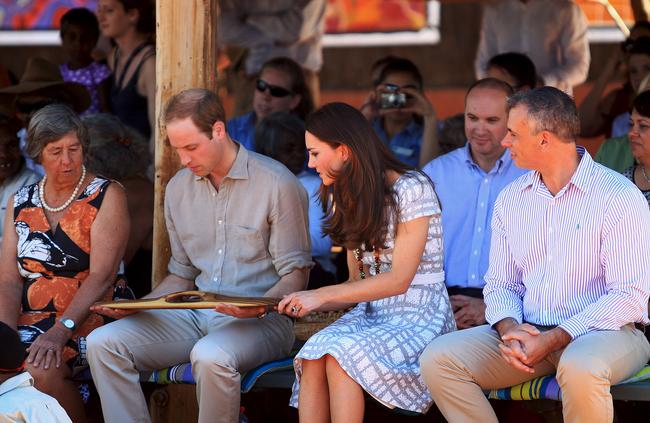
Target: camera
392, 99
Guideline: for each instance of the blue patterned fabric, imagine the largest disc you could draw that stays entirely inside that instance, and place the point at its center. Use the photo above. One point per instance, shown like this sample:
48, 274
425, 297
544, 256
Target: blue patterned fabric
378, 343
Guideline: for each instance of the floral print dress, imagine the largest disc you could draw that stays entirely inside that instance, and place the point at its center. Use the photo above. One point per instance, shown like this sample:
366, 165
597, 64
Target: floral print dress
55, 262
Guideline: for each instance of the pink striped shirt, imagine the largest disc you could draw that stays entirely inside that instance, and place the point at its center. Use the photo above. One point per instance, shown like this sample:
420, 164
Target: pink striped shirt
580, 260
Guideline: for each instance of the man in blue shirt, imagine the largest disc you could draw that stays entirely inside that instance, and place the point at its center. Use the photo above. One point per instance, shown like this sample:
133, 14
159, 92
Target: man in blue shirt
468, 181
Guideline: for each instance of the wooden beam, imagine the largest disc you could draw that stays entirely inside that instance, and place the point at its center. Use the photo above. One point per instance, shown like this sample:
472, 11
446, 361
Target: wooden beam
186, 57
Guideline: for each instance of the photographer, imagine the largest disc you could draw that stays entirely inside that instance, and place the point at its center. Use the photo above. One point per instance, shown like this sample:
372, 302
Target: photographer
400, 113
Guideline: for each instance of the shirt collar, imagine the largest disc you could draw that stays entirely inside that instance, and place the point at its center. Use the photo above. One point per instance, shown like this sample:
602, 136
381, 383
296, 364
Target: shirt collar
580, 179
21, 380
501, 162
239, 168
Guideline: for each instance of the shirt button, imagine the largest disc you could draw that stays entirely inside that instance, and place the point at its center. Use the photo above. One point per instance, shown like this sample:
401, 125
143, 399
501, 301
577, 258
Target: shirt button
482, 204
214, 194
220, 221
476, 252
473, 276
478, 229
216, 279
485, 181
220, 251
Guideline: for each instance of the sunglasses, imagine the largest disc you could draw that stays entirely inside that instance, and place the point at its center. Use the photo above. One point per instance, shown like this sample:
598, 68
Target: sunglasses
275, 91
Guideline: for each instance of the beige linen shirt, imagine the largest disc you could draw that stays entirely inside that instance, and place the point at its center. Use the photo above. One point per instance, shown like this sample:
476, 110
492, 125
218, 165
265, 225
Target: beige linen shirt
242, 238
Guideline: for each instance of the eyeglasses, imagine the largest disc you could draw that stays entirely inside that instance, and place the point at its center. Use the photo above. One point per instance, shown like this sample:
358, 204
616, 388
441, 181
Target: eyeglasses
261, 86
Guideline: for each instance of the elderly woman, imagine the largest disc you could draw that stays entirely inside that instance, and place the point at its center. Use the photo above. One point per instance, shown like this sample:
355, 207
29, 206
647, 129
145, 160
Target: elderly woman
120, 153
70, 234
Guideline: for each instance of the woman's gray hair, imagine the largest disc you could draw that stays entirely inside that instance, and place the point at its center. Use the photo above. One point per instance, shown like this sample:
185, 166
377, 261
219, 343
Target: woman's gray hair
116, 151
50, 124
549, 109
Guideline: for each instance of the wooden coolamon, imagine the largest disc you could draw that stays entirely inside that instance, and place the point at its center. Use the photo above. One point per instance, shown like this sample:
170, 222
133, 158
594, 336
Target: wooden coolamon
186, 57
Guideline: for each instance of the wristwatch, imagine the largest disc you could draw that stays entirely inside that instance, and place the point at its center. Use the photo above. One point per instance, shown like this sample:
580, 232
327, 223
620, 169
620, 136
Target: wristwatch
68, 323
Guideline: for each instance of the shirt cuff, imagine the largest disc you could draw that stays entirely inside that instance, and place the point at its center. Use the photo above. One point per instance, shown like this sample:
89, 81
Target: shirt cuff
184, 271
496, 318
288, 263
574, 327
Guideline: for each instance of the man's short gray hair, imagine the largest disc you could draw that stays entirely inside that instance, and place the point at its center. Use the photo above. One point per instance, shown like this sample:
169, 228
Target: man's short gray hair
50, 124
549, 109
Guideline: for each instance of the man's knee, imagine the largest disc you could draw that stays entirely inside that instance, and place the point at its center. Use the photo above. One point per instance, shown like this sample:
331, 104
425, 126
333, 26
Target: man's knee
580, 371
435, 358
206, 356
102, 339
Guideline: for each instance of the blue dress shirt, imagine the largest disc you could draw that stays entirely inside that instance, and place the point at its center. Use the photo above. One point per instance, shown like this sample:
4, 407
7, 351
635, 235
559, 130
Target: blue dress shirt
405, 145
242, 129
467, 195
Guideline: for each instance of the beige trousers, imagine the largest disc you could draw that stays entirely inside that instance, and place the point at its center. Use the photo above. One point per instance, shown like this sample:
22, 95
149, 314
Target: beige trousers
458, 366
219, 347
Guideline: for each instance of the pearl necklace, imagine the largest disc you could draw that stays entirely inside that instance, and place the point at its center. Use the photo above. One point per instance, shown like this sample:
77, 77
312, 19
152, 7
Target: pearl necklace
41, 193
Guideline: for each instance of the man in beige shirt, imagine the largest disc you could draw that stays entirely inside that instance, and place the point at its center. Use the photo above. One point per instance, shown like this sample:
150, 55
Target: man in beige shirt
238, 225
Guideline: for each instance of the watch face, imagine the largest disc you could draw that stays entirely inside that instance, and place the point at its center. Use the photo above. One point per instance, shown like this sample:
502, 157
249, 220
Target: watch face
68, 323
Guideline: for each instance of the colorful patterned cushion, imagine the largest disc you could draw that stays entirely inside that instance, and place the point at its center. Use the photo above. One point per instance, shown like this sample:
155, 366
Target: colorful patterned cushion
546, 387
182, 373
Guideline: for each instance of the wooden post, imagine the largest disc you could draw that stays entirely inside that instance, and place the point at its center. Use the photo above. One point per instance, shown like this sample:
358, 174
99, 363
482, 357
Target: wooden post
186, 57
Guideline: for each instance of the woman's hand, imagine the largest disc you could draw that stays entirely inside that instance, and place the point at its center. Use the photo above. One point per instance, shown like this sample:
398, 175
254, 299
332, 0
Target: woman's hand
301, 303
47, 348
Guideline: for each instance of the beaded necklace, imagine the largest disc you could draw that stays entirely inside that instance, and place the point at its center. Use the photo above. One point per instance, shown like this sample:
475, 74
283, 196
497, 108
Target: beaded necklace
358, 255
41, 193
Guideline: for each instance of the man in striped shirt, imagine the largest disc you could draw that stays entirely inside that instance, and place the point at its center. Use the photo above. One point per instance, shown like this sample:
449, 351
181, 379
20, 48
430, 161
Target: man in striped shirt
569, 277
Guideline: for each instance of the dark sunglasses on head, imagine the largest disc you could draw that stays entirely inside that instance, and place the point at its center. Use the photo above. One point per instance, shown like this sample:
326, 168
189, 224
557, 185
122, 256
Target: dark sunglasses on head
261, 86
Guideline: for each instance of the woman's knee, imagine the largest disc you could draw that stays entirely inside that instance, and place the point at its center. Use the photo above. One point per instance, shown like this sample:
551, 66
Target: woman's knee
49, 380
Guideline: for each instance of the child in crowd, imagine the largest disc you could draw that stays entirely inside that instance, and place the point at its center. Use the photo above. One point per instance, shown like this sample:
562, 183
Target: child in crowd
79, 35
19, 400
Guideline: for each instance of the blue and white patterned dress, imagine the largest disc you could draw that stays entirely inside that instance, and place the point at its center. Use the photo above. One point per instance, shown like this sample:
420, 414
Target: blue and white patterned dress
378, 343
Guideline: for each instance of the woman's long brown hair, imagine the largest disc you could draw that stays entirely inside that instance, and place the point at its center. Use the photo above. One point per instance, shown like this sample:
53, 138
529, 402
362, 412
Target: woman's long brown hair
360, 201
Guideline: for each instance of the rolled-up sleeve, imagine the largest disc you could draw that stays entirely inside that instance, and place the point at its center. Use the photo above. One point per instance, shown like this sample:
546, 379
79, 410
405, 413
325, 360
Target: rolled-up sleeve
289, 243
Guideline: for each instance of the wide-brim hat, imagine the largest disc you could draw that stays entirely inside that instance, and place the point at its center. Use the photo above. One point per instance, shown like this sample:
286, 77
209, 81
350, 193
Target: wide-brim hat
42, 76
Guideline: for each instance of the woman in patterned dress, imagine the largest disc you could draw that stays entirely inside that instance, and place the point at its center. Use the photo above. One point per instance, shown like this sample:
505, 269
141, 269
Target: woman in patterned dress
70, 233
388, 217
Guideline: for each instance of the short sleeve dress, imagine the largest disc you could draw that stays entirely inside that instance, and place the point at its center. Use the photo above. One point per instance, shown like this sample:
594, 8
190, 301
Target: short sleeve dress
55, 262
378, 343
